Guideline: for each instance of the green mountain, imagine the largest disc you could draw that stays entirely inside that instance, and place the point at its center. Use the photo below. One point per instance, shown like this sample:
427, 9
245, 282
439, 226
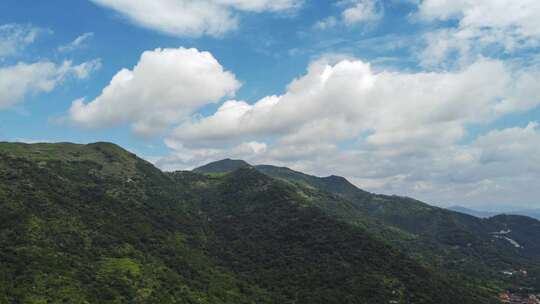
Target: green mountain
475, 213
332, 184
222, 166
446, 240
96, 224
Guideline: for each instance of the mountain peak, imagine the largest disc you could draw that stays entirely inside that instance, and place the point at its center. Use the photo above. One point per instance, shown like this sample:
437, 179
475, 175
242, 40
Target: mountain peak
66, 151
222, 166
336, 178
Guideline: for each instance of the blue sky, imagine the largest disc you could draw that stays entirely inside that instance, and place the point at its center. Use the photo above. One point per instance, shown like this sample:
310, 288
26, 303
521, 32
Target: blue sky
433, 99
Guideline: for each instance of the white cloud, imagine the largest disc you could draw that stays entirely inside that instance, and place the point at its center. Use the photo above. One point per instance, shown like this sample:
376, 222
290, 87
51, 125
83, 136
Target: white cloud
79, 42
482, 25
15, 37
443, 44
22, 79
193, 18
354, 12
522, 15
362, 11
525, 91
519, 145
83, 70
164, 88
499, 167
346, 99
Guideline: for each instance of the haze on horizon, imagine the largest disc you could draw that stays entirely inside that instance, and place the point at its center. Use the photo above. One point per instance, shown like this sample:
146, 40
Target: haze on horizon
433, 99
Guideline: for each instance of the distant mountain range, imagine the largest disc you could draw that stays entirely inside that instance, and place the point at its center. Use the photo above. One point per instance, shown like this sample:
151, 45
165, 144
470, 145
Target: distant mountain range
96, 224
534, 213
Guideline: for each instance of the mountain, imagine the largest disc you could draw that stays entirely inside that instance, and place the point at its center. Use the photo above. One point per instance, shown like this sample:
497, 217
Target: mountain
445, 240
476, 213
96, 224
222, 166
272, 235
534, 213
333, 184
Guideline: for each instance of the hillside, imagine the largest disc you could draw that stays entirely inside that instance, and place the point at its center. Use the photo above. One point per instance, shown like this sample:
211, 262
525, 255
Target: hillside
447, 240
226, 165
95, 224
475, 213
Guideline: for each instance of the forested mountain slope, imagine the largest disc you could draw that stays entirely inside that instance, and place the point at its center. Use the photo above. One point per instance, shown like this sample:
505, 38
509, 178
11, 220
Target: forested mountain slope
450, 241
95, 224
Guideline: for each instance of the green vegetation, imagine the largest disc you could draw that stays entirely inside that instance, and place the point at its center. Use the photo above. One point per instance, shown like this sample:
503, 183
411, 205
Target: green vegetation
95, 224
222, 166
457, 244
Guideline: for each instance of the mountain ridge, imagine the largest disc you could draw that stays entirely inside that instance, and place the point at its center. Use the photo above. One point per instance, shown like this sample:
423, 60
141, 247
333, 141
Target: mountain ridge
96, 224
439, 237
532, 213
222, 166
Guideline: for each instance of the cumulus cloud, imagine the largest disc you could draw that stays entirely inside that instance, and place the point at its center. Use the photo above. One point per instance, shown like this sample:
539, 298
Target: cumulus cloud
193, 18
23, 79
346, 99
15, 37
510, 145
165, 87
481, 25
79, 42
499, 167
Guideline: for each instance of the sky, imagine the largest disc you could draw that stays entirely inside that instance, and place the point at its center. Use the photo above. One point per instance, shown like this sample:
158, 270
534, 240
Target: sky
433, 99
